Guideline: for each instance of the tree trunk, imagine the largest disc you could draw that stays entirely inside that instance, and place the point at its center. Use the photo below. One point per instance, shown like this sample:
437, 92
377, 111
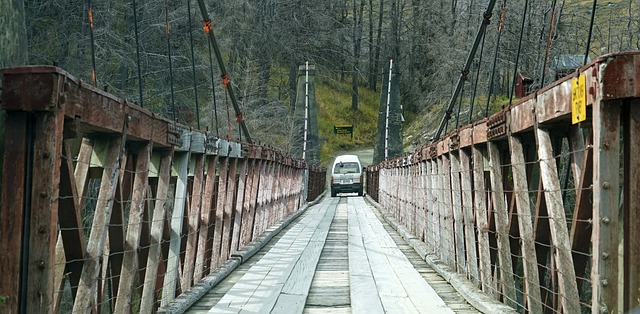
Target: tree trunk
376, 59
357, 40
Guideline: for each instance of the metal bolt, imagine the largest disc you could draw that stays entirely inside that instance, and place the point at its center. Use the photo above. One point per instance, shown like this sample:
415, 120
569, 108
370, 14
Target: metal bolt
606, 220
43, 194
605, 185
41, 264
605, 146
45, 155
605, 255
604, 282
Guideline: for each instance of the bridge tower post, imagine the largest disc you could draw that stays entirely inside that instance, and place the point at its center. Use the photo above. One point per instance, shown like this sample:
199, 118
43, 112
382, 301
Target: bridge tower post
389, 117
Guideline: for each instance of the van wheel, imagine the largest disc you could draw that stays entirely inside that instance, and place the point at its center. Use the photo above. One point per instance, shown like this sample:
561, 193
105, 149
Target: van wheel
333, 193
360, 193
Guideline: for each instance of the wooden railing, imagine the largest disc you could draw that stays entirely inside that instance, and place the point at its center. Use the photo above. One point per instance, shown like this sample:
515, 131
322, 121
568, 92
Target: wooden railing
539, 213
107, 207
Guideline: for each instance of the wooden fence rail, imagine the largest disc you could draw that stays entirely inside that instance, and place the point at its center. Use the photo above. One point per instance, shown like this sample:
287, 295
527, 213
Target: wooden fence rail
540, 213
107, 207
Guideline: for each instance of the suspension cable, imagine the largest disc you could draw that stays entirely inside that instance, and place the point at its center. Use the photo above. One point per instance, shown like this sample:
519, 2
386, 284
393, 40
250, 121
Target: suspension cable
593, 15
546, 55
135, 25
465, 69
168, 34
475, 84
213, 85
495, 61
94, 76
193, 66
515, 70
459, 106
223, 70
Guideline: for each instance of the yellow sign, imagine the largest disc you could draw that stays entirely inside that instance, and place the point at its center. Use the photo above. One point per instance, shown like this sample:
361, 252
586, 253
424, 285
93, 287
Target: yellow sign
579, 99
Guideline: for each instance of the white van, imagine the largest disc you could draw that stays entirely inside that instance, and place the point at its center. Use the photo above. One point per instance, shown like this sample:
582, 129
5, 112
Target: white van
347, 175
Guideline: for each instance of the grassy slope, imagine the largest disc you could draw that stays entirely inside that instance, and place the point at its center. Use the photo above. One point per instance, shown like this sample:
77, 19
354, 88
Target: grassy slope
334, 108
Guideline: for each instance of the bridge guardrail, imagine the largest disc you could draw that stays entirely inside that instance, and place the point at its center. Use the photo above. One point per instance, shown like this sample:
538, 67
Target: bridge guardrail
537, 212
107, 207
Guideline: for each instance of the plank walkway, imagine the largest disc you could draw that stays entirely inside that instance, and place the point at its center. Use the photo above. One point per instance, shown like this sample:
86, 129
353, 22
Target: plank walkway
338, 257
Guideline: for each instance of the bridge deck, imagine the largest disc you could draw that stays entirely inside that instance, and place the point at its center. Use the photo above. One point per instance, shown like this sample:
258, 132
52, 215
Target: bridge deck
337, 257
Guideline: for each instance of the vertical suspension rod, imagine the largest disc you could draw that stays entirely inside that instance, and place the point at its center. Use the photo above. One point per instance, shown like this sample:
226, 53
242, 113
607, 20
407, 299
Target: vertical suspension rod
223, 71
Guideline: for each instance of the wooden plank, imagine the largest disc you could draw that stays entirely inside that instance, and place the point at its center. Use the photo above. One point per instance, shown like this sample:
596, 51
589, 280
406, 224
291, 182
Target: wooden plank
208, 197
363, 288
99, 227
606, 192
181, 164
480, 202
239, 205
502, 226
216, 259
296, 289
157, 228
394, 275
469, 216
193, 220
632, 208
272, 270
525, 224
227, 231
129, 263
456, 190
570, 299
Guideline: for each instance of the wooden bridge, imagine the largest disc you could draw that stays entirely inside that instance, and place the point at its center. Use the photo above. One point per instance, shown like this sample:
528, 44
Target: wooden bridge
107, 207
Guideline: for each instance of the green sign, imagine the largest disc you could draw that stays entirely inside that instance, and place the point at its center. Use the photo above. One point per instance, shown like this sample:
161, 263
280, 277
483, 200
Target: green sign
343, 129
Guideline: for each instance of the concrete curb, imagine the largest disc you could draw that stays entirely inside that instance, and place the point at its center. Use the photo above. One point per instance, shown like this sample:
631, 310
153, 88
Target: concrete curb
481, 301
182, 303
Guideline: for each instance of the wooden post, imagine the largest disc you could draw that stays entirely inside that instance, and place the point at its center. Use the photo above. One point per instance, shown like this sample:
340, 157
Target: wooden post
99, 227
130, 259
227, 231
456, 190
632, 208
238, 209
216, 259
193, 221
44, 212
502, 226
173, 260
469, 216
480, 202
208, 198
570, 299
157, 228
529, 258
606, 158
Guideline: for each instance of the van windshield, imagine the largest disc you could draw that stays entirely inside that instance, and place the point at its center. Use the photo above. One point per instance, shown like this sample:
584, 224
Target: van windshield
346, 167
